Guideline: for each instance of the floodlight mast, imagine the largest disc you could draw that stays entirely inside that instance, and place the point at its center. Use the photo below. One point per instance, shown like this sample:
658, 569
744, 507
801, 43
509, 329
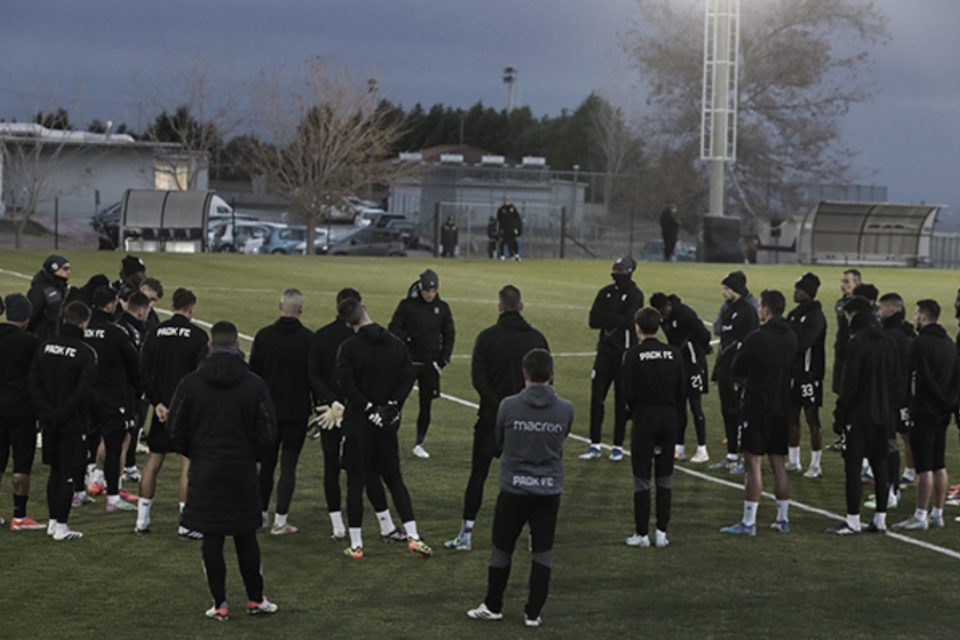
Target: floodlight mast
510, 79
718, 122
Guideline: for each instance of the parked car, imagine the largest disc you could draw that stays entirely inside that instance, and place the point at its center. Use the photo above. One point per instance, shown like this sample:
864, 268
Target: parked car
653, 252
409, 232
365, 216
287, 240
367, 241
229, 237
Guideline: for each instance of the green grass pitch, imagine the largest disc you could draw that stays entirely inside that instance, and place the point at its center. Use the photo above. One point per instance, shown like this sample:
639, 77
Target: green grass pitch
704, 585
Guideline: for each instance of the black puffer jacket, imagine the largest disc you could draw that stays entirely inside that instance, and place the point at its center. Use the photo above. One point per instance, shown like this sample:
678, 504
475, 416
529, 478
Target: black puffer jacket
903, 335
425, 327
47, 293
935, 373
612, 313
868, 387
222, 419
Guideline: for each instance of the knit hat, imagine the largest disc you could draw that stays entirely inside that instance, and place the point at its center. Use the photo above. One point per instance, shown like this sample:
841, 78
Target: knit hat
53, 263
429, 280
131, 265
18, 307
809, 284
736, 281
625, 264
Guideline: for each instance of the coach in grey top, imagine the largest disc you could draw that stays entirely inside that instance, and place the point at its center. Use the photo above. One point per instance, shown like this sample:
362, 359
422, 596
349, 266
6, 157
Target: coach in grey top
531, 427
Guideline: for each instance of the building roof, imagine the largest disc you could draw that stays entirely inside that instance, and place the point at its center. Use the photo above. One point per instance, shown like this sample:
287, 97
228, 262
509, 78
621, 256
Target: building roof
31, 132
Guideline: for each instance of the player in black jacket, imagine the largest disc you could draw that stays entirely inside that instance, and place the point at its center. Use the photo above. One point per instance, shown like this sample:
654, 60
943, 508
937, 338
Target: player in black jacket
865, 410
133, 322
810, 326
63, 371
170, 351
18, 415
280, 355
654, 390
329, 405
48, 291
764, 364
738, 319
222, 419
376, 376
686, 332
612, 313
935, 380
424, 323
497, 372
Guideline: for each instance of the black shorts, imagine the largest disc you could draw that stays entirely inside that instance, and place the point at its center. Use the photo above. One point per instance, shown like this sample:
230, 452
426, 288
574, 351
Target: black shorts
64, 451
764, 435
370, 449
20, 436
158, 439
928, 439
808, 393
428, 379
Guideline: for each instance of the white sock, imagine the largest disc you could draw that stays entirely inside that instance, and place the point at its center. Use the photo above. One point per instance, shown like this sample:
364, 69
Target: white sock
143, 511
97, 476
113, 499
279, 520
853, 521
702, 448
936, 513
910, 473
783, 507
750, 512
920, 514
386, 522
892, 495
81, 494
466, 530
815, 459
356, 538
411, 529
794, 453
182, 504
865, 467
264, 517
732, 457
880, 519
62, 528
680, 449
336, 519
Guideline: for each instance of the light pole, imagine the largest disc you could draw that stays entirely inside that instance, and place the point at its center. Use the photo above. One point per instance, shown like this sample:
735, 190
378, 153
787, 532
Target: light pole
510, 79
718, 124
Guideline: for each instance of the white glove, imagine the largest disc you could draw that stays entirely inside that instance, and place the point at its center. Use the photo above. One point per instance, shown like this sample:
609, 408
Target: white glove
330, 416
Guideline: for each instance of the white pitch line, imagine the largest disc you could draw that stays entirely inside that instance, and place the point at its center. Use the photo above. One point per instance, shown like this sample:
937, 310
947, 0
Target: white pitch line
733, 485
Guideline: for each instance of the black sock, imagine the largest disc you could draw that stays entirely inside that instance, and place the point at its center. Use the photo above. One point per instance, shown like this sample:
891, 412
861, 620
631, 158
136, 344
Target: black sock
19, 506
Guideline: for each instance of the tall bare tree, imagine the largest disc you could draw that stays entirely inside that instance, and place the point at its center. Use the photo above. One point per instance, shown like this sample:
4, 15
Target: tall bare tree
327, 137
802, 67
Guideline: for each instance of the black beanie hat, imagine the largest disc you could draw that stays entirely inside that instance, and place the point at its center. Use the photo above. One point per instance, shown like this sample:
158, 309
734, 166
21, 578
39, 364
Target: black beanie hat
429, 280
18, 307
736, 281
809, 284
131, 265
626, 263
53, 263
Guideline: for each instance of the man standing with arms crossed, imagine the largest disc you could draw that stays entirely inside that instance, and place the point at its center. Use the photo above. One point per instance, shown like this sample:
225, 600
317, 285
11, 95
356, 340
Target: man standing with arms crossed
531, 427
497, 372
850, 279
171, 350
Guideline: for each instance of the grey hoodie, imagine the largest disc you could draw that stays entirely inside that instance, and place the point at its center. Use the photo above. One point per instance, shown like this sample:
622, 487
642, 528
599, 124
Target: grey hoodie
531, 428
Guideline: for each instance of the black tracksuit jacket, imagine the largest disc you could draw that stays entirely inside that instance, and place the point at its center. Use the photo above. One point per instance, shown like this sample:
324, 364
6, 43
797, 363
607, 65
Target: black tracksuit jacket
903, 334
737, 321
868, 386
47, 294
810, 326
118, 366
653, 373
612, 313
935, 373
425, 327
170, 351
17, 349
686, 332
281, 355
323, 361
765, 362
61, 376
496, 367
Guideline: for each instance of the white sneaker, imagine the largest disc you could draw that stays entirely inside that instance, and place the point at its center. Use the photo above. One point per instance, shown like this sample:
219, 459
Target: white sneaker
66, 534
420, 452
636, 540
792, 467
265, 606
660, 538
483, 613
279, 530
700, 456
532, 622
813, 472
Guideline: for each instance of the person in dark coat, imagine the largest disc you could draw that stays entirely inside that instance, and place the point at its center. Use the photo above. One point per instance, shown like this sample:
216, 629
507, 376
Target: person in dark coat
765, 364
892, 315
132, 274
222, 419
48, 291
280, 355
63, 371
18, 415
935, 378
448, 238
686, 332
493, 237
510, 226
865, 409
497, 372
329, 402
424, 323
670, 228
376, 376
612, 313
133, 322
810, 326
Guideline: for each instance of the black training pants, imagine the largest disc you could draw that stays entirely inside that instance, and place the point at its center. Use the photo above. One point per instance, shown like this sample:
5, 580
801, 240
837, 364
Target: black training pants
248, 555
330, 442
651, 451
292, 435
606, 370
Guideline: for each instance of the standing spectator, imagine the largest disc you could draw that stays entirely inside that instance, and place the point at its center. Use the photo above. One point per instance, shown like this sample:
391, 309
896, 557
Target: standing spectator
280, 356
376, 376
63, 371
18, 414
448, 238
48, 291
493, 237
686, 332
612, 313
654, 387
511, 227
765, 363
424, 323
497, 372
531, 428
669, 227
810, 326
170, 351
221, 418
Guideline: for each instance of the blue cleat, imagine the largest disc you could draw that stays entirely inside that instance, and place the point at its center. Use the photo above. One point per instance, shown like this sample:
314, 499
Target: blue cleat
741, 529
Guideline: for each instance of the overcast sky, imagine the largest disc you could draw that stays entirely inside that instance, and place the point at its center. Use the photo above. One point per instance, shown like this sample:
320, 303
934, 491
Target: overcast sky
450, 52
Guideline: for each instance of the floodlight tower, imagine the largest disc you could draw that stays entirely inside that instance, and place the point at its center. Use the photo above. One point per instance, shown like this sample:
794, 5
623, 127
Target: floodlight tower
718, 123
510, 79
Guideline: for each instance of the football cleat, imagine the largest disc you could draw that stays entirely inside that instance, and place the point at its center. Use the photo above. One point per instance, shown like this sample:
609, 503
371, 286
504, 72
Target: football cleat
781, 525
912, 524
420, 452
873, 527
483, 613
700, 457
354, 552
592, 452
25, 524
532, 622
458, 544
397, 535
264, 606
843, 530
218, 613
637, 540
813, 472
188, 534
616, 454
279, 530
660, 538
419, 547
741, 529
120, 505
793, 467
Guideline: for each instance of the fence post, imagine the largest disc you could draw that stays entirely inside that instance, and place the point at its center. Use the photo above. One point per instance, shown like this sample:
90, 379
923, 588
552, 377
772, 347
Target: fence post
436, 229
563, 231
